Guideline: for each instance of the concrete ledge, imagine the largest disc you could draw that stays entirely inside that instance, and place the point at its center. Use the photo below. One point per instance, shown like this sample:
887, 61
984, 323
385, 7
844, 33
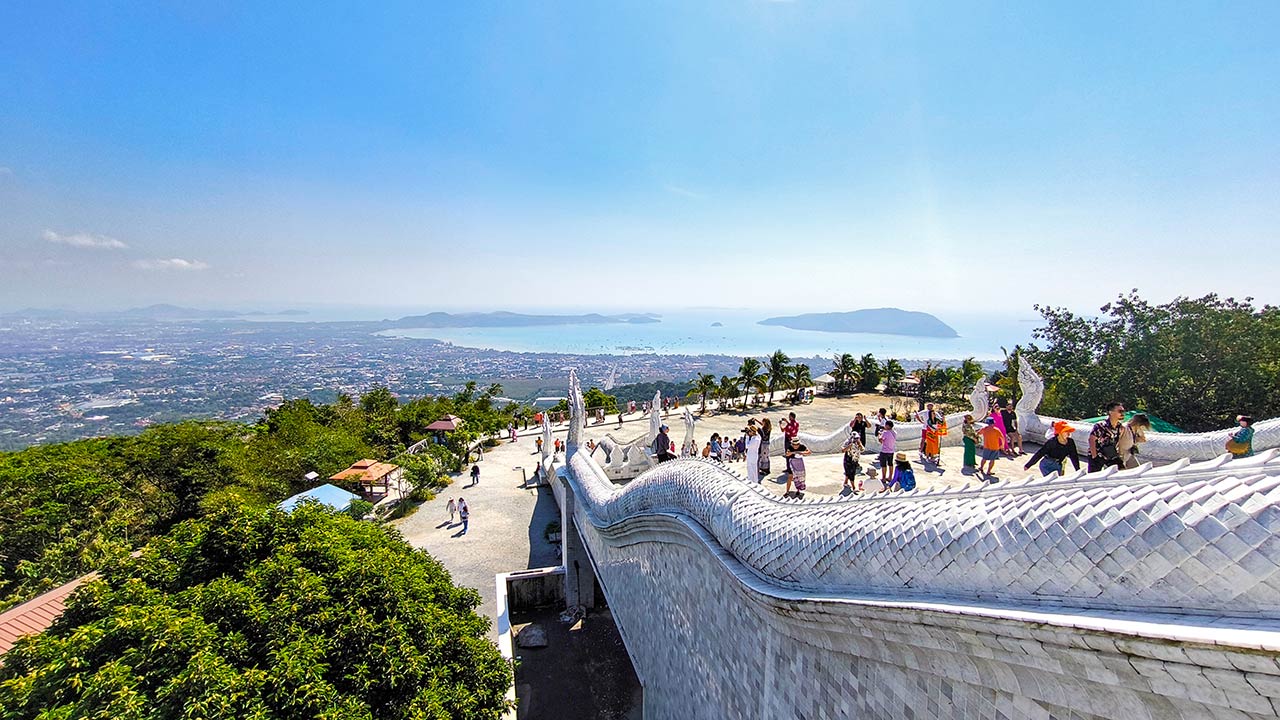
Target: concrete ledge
502, 583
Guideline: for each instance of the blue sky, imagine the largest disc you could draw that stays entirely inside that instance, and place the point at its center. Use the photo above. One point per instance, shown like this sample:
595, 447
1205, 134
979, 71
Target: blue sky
797, 155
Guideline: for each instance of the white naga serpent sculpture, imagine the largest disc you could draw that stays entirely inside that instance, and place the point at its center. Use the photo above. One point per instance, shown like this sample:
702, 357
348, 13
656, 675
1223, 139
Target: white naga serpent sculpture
1159, 446
1183, 538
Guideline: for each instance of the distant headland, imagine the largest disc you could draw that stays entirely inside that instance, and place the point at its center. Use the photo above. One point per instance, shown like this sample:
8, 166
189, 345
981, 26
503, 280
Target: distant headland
510, 319
883, 321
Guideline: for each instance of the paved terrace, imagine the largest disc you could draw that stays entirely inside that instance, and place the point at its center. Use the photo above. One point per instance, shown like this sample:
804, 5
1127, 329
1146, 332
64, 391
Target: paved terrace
508, 520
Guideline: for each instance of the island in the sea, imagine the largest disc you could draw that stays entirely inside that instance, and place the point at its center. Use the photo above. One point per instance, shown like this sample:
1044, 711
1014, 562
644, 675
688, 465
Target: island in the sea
883, 321
510, 319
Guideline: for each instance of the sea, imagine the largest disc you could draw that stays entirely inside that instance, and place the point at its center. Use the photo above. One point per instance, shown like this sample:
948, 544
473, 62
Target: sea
738, 333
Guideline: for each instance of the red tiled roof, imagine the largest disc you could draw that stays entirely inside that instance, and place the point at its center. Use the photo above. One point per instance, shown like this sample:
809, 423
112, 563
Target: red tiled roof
37, 614
366, 473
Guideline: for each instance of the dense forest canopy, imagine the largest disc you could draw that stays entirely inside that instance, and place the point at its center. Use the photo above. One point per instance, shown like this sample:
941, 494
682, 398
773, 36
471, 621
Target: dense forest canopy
69, 507
1195, 362
262, 614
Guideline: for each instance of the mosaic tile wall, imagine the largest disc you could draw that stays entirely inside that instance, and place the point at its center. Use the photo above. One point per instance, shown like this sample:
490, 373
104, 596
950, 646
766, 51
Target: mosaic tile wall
708, 644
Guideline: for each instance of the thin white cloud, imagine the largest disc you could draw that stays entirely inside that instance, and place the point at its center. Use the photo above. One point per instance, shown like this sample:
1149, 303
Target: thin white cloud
170, 264
6, 171
684, 192
84, 240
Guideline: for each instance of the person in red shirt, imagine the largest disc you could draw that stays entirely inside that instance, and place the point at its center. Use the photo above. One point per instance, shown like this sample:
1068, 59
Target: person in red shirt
790, 429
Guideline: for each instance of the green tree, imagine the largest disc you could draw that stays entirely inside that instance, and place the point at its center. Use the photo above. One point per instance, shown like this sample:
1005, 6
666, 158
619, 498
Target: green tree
892, 372
750, 378
596, 398
262, 614
845, 370
703, 386
778, 371
869, 373
801, 377
175, 466
727, 392
1196, 362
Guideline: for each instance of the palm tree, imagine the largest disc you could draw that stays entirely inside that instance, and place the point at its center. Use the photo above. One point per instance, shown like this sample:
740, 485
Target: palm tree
893, 372
727, 391
869, 373
845, 371
779, 371
801, 377
750, 377
703, 386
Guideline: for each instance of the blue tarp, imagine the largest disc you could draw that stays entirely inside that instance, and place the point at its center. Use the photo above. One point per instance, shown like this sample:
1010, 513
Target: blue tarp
330, 495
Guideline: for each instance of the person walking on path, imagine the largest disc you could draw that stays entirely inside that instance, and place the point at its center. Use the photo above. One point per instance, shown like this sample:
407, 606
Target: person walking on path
464, 514
1104, 439
1056, 450
766, 430
452, 507
888, 446
475, 474
662, 446
859, 427
1132, 434
795, 467
969, 429
992, 447
753, 453
1241, 442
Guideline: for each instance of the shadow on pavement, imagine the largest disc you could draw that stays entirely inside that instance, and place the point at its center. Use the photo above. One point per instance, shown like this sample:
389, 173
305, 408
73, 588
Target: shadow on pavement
541, 552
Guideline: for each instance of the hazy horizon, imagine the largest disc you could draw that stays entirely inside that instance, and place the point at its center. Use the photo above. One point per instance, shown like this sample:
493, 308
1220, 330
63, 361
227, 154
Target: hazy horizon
781, 156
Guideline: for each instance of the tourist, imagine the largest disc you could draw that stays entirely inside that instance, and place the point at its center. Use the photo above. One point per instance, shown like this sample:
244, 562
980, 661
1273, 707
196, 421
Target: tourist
1132, 434
1010, 419
852, 467
766, 431
619, 420
795, 467
538, 442
879, 421
790, 429
464, 514
1241, 442
999, 423
928, 419
888, 444
753, 452
706, 450
475, 474
662, 445
992, 447
1056, 450
452, 507
903, 476
1104, 439
859, 427
969, 429
717, 449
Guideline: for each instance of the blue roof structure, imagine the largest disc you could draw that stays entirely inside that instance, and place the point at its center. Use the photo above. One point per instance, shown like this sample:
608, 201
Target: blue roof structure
329, 495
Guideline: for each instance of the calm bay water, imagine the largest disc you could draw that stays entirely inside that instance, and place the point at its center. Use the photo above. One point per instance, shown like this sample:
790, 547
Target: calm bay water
694, 333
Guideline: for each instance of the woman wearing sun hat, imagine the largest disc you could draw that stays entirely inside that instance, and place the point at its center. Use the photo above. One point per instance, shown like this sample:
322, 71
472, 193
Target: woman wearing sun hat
1056, 450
